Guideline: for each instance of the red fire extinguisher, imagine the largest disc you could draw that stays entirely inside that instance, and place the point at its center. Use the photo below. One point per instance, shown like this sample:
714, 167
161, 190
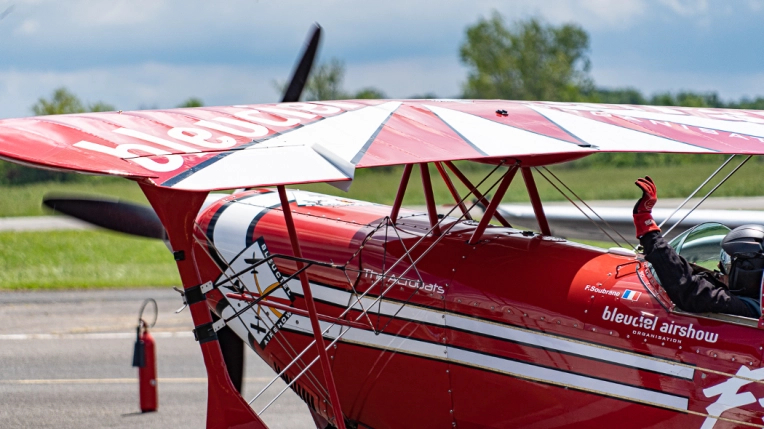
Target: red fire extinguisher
144, 357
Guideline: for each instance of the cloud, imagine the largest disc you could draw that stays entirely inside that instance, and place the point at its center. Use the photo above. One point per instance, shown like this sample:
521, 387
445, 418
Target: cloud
28, 27
118, 12
164, 51
406, 77
132, 87
755, 5
155, 85
595, 14
687, 7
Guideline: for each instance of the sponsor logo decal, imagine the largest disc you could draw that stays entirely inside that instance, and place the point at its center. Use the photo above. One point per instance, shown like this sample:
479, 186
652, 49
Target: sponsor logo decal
602, 291
248, 123
260, 322
412, 284
647, 326
279, 283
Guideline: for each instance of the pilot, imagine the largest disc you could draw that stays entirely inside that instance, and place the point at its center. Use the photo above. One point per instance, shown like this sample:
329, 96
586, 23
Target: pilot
735, 290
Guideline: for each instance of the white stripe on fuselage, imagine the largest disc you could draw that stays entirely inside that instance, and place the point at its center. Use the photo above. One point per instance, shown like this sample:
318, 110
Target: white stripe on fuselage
230, 231
482, 327
506, 366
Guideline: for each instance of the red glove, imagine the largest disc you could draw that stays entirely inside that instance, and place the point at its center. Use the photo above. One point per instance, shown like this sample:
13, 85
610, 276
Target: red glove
643, 218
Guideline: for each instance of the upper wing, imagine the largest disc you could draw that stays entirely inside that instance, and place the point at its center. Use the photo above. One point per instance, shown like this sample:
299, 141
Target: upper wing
257, 145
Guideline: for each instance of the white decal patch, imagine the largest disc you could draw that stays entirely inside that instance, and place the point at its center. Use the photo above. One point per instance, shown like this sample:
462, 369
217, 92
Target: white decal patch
729, 397
501, 140
614, 138
230, 231
344, 135
322, 151
733, 122
260, 322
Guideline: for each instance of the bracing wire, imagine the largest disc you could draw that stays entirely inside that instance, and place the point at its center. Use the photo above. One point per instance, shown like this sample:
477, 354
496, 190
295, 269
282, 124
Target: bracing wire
724, 164
579, 209
385, 291
588, 207
708, 195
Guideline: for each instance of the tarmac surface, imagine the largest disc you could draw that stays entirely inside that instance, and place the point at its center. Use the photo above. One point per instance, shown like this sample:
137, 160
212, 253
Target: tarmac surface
65, 362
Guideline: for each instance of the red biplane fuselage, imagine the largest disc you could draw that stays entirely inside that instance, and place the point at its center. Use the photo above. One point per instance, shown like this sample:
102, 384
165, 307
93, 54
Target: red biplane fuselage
518, 330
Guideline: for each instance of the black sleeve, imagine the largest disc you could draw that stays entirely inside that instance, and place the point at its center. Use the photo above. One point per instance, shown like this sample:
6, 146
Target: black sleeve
689, 291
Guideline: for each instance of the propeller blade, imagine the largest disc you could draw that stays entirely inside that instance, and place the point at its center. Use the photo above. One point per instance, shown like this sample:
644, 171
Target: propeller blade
7, 11
111, 214
302, 71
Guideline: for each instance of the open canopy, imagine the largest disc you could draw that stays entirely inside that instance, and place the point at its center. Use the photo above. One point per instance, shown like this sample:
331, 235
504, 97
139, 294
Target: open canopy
240, 146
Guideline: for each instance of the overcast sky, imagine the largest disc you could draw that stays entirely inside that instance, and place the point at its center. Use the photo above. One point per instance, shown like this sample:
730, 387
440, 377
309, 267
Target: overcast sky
148, 54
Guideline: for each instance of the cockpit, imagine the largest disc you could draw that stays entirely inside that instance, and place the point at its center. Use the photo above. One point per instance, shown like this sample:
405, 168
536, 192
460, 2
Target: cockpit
701, 245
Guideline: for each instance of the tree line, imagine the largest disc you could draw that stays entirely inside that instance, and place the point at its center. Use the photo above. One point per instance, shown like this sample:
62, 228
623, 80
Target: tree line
524, 60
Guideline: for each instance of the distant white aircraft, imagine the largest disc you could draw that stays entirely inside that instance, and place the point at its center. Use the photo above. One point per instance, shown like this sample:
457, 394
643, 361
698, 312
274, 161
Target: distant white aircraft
570, 222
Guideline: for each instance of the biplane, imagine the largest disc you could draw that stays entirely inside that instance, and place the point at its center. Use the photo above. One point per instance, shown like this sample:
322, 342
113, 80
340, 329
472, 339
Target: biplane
384, 317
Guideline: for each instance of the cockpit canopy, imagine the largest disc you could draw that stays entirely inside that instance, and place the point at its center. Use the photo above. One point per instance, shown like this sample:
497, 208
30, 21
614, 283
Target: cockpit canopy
701, 244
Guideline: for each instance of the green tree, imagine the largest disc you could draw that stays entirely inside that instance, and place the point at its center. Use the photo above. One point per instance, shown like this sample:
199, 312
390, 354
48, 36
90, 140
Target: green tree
325, 82
425, 96
686, 99
747, 103
369, 93
529, 60
617, 96
192, 102
64, 102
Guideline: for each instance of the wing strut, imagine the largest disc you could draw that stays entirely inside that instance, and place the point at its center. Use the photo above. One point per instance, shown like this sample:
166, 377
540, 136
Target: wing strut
432, 211
538, 209
483, 200
401, 192
452, 189
177, 210
339, 420
491, 209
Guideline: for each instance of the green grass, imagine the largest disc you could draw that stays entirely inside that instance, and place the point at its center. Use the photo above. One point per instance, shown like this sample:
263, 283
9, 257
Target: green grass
83, 259
597, 183
26, 200
381, 185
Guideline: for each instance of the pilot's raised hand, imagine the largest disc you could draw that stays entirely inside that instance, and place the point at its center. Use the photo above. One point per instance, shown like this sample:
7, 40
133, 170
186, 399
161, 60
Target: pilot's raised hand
643, 217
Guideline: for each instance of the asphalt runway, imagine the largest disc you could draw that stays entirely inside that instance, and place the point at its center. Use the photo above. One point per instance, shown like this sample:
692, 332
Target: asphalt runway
65, 362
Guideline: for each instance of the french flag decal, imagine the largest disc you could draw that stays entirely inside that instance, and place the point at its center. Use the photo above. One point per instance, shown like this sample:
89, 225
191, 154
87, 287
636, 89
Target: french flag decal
631, 295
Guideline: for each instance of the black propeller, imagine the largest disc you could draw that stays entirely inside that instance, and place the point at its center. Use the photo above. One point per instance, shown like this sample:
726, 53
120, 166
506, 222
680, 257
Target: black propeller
302, 69
111, 214
141, 220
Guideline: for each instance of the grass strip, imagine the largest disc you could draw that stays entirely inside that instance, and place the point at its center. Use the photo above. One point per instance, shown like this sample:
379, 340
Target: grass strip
26, 200
381, 184
83, 259
597, 183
